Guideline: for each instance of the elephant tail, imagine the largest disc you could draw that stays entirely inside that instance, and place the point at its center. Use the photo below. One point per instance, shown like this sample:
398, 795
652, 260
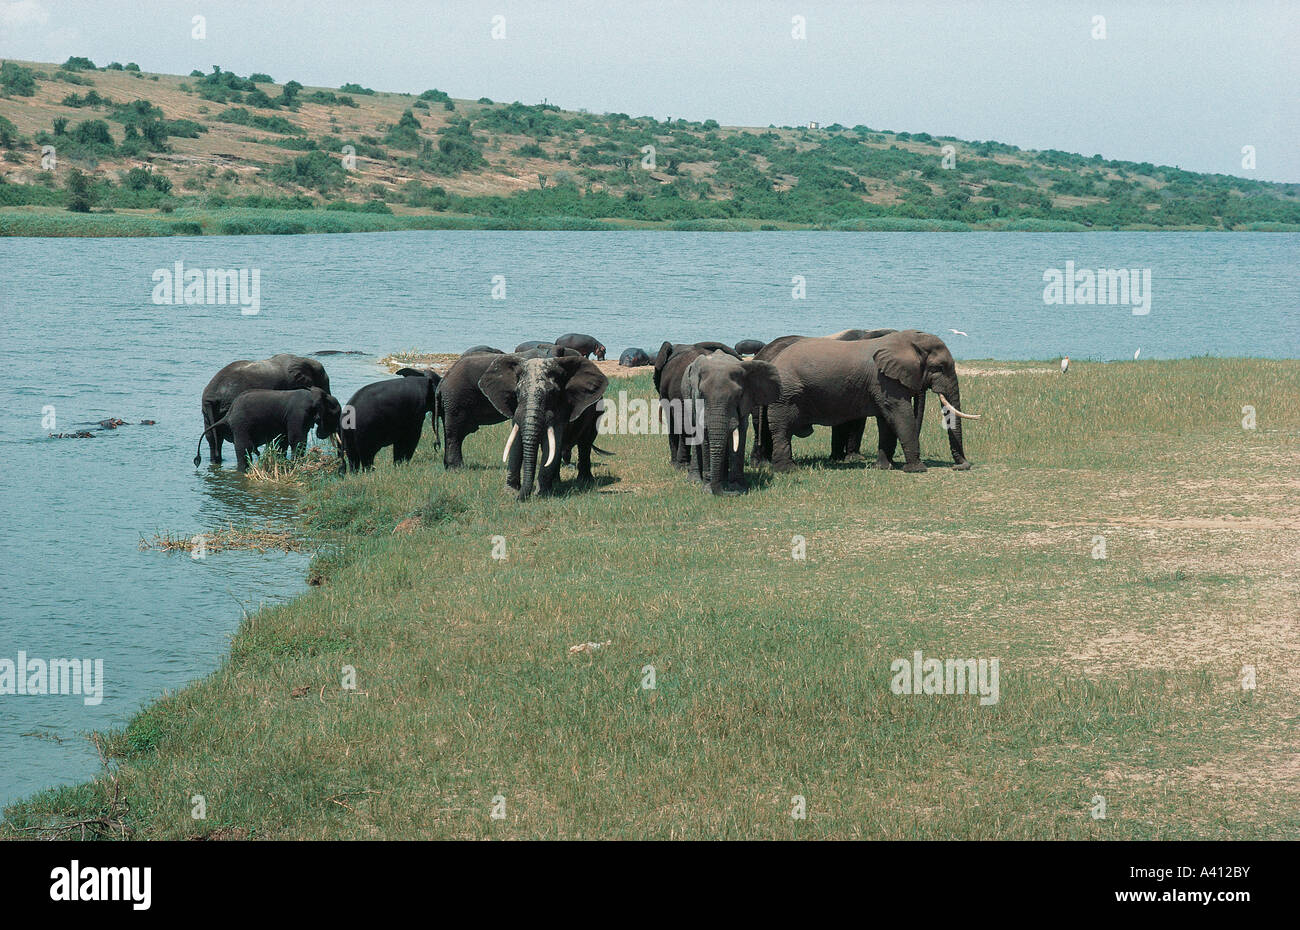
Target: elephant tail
596, 448
198, 452
437, 415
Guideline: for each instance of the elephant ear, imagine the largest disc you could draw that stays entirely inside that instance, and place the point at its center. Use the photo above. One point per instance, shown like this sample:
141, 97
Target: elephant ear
498, 383
585, 384
301, 374
691, 380
762, 381
329, 415
900, 359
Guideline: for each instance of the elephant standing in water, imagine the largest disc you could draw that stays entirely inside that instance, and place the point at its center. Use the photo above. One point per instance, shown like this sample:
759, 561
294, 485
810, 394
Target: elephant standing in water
724, 391
552, 402
387, 413
258, 417
831, 382
278, 373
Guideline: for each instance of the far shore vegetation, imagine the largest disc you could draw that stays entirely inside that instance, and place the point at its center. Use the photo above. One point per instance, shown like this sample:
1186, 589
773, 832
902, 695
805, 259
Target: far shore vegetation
111, 150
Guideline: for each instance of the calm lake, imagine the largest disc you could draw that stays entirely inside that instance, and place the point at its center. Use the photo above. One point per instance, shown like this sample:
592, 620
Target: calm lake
86, 338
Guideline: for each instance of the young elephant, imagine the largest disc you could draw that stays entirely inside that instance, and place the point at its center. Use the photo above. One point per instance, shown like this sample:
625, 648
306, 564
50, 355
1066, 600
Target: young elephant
258, 417
387, 413
282, 372
552, 402
725, 391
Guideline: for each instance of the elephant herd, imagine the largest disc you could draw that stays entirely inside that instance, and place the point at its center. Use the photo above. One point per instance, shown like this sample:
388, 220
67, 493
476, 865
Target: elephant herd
551, 392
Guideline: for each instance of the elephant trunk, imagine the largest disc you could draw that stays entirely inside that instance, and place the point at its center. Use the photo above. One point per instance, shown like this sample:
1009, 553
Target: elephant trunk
530, 437
719, 430
950, 403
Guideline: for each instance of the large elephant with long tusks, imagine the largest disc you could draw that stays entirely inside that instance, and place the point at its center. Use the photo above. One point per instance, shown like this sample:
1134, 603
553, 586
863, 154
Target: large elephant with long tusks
552, 405
832, 382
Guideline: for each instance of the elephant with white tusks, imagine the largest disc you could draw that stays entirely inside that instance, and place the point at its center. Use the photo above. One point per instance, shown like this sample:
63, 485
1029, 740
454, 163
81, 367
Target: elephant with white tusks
552, 403
723, 391
832, 382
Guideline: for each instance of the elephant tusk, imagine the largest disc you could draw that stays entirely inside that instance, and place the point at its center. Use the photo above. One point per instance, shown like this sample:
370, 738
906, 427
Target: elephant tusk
550, 446
510, 441
965, 416
735, 440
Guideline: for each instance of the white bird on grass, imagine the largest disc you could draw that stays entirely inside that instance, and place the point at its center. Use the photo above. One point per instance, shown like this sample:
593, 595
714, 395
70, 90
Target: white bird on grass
1137, 353
1065, 364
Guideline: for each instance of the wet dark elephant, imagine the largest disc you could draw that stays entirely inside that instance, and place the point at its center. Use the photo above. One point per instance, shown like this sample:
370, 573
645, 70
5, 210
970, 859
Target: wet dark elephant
387, 413
473, 350
585, 345
722, 392
278, 373
749, 346
257, 417
552, 402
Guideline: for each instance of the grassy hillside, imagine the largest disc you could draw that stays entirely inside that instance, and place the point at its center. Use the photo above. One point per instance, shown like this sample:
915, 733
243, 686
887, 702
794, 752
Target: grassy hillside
169, 154
1120, 677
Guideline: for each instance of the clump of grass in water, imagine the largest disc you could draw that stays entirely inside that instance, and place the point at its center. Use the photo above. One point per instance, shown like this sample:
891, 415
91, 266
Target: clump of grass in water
259, 538
272, 466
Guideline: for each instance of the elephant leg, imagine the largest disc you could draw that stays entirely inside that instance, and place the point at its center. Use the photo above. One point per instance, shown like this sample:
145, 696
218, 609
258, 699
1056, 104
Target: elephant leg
895, 406
215, 438
584, 461
846, 441
241, 454
853, 439
683, 453
295, 443
888, 443
451, 454
697, 467
779, 424
404, 449
736, 464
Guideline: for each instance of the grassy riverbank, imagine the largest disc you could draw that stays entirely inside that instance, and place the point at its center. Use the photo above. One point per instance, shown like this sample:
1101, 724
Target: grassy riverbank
1119, 677
235, 221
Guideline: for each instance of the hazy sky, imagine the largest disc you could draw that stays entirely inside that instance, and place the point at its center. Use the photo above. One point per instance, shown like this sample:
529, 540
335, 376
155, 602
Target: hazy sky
1183, 83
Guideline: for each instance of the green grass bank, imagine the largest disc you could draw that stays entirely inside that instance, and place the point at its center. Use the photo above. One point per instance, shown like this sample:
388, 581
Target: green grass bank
1120, 677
